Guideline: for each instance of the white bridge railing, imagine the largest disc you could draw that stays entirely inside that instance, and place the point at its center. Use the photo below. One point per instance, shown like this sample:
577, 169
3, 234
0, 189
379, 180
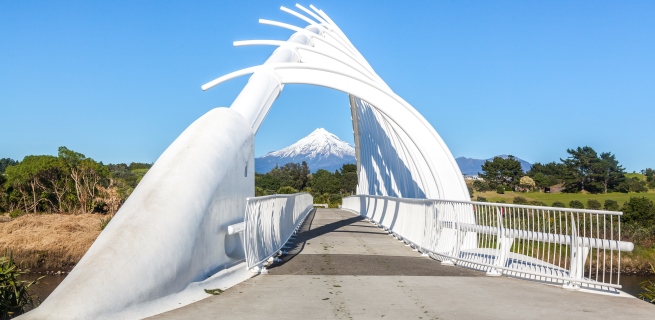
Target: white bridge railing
269, 223
572, 247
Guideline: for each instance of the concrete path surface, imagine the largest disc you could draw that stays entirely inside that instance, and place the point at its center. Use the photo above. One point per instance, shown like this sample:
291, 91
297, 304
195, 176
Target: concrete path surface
343, 267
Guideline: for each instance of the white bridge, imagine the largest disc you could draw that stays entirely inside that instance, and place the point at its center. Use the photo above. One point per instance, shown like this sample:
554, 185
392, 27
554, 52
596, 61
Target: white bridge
193, 222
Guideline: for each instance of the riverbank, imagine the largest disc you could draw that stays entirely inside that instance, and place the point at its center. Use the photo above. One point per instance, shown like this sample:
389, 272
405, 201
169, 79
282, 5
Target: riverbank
48, 243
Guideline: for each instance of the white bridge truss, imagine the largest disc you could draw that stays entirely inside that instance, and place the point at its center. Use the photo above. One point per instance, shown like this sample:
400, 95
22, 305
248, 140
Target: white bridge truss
170, 239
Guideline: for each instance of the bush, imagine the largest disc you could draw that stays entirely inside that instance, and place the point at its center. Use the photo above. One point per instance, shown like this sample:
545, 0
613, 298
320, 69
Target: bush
640, 210
501, 201
520, 200
593, 204
16, 213
611, 205
481, 199
14, 294
648, 287
286, 190
537, 203
559, 204
500, 190
576, 204
481, 186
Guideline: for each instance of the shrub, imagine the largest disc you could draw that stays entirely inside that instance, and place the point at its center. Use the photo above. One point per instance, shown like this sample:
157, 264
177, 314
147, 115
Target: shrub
611, 205
286, 190
501, 201
640, 210
649, 289
16, 213
481, 199
14, 294
481, 186
593, 204
520, 200
559, 204
500, 190
577, 204
536, 203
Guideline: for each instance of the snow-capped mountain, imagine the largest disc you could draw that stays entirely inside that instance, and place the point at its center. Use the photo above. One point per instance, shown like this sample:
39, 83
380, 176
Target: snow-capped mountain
320, 149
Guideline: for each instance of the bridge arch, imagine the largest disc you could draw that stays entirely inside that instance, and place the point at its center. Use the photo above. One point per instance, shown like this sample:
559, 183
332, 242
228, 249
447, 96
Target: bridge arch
398, 152
169, 240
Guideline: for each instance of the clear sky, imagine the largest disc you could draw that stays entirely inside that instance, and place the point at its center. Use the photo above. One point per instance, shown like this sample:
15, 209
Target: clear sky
120, 80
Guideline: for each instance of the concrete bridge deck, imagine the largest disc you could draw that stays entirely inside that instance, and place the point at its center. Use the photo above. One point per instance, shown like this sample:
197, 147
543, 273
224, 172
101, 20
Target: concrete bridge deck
345, 268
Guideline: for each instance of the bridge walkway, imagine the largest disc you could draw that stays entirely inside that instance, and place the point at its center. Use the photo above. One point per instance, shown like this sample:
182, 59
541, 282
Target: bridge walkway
343, 267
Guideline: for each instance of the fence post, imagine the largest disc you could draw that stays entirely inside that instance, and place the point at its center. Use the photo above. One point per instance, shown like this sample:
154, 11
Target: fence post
503, 245
458, 240
578, 257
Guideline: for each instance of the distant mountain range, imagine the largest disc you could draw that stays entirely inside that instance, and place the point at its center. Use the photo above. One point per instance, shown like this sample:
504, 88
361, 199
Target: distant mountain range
324, 150
320, 149
471, 167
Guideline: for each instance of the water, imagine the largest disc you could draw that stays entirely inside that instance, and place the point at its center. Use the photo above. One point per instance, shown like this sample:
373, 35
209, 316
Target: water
631, 283
45, 286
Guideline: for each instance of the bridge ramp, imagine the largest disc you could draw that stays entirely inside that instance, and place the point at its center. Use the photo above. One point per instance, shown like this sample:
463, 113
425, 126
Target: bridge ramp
342, 267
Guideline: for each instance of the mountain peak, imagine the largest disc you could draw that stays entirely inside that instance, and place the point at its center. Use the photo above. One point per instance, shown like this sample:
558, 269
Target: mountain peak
320, 149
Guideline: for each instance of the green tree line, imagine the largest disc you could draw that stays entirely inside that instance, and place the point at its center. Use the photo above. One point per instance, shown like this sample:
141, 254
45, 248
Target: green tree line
325, 186
69, 182
583, 171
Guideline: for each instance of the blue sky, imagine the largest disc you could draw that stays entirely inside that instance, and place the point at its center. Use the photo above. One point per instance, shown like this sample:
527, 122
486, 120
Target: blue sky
120, 80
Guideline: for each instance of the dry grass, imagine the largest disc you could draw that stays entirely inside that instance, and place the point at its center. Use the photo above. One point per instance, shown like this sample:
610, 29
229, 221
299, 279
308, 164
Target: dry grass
49, 241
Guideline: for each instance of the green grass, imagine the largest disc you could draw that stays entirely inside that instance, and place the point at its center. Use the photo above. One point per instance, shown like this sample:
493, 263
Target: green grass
637, 175
549, 198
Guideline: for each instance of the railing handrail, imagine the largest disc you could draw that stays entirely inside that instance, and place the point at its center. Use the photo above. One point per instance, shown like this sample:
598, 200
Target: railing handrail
276, 195
275, 237
493, 204
572, 246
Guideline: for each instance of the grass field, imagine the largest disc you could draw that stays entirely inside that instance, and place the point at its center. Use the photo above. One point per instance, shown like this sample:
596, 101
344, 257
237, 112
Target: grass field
638, 175
549, 198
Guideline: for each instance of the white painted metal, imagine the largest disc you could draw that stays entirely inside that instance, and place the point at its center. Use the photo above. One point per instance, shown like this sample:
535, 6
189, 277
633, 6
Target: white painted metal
423, 164
169, 240
573, 247
270, 221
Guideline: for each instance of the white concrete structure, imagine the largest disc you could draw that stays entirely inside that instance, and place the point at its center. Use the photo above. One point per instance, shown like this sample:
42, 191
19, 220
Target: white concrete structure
169, 241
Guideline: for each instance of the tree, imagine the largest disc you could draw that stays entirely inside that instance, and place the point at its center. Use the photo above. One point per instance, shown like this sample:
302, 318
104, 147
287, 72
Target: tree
324, 182
639, 210
87, 175
650, 177
583, 167
611, 172
546, 175
30, 179
502, 172
633, 184
6, 162
527, 183
481, 185
349, 179
611, 205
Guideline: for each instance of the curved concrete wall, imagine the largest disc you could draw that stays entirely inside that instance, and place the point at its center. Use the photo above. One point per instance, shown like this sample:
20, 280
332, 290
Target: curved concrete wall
171, 232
